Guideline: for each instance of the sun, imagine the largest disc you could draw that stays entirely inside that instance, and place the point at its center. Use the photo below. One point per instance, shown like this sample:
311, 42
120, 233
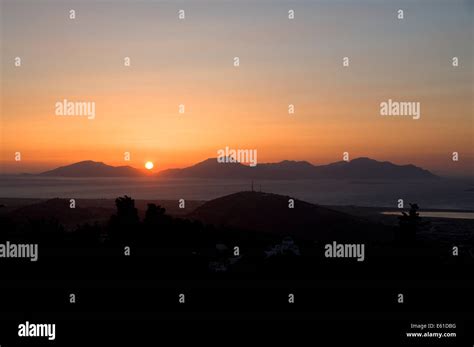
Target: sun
149, 165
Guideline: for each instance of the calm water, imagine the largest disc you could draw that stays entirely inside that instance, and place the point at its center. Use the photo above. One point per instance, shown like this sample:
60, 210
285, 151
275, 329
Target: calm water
441, 194
450, 215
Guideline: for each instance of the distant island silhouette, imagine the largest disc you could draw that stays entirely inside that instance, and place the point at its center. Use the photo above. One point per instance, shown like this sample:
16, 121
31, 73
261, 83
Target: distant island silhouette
359, 168
89, 168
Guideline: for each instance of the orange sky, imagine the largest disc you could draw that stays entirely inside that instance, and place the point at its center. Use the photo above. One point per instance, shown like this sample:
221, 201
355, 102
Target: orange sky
337, 108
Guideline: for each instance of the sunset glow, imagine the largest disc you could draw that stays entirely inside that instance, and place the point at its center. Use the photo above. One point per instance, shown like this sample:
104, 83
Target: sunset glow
175, 63
149, 165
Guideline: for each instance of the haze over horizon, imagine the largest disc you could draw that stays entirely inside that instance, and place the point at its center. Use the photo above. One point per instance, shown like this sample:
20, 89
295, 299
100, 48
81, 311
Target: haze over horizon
210, 158
282, 62
158, 169
211, 167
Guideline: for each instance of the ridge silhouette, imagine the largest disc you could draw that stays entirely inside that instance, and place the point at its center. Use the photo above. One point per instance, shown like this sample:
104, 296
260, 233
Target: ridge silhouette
359, 168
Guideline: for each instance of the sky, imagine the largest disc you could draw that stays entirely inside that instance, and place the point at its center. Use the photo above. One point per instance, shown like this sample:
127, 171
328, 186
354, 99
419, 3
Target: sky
191, 62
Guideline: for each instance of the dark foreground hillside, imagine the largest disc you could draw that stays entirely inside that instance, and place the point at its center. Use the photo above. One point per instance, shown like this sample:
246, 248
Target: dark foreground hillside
272, 213
249, 234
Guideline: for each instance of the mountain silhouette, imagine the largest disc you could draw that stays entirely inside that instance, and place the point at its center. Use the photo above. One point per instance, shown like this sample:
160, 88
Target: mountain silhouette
270, 213
360, 168
209, 168
91, 168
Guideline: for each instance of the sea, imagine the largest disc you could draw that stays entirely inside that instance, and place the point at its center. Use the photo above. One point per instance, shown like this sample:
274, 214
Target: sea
452, 194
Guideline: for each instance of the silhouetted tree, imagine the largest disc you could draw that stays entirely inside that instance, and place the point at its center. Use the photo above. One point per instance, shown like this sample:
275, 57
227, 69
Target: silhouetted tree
125, 222
409, 224
126, 211
154, 214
